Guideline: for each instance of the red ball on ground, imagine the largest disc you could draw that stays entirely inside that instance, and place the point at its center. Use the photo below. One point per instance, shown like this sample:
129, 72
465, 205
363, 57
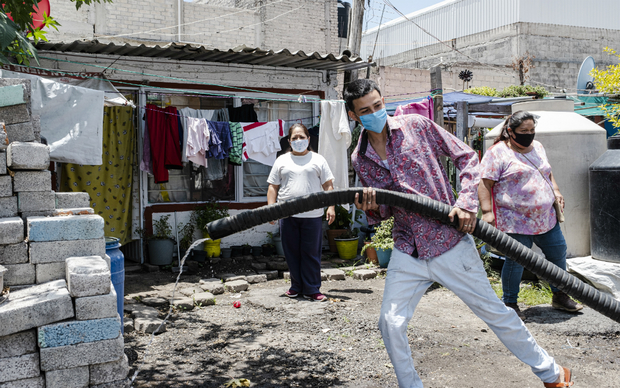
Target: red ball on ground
237, 304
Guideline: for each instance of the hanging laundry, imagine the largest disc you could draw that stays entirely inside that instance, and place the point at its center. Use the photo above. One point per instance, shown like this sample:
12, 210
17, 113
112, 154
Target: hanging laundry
194, 113
198, 137
243, 114
216, 170
236, 152
334, 139
221, 140
425, 108
164, 138
262, 141
145, 163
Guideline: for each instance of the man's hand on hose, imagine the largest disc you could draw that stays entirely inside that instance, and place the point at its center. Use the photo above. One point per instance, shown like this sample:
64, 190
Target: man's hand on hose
369, 200
467, 220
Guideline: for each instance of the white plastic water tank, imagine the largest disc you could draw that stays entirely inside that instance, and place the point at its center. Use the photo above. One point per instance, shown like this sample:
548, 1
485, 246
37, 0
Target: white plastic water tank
572, 144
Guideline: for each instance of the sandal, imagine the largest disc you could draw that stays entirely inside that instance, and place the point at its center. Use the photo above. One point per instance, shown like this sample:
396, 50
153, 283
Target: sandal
567, 380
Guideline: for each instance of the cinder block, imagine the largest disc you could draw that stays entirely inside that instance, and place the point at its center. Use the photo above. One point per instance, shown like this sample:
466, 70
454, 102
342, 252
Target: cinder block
203, 299
78, 332
36, 127
72, 200
109, 372
35, 382
67, 378
11, 95
20, 132
50, 271
271, 274
15, 114
19, 274
4, 138
71, 356
27, 156
59, 251
213, 285
32, 181
87, 276
260, 278
6, 186
125, 383
96, 307
35, 306
8, 207
2, 162
11, 230
14, 253
36, 201
18, 344
19, 367
236, 286
65, 228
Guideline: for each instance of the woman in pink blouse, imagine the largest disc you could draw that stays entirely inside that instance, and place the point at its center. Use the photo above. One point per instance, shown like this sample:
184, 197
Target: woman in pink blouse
516, 193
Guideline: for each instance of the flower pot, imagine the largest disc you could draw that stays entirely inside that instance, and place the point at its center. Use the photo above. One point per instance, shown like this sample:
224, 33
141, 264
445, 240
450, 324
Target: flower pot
268, 250
347, 248
160, 251
383, 255
246, 250
212, 248
371, 253
199, 255
277, 241
236, 251
226, 253
331, 235
257, 251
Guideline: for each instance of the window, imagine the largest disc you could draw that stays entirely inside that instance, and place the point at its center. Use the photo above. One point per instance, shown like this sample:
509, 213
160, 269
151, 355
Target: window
221, 181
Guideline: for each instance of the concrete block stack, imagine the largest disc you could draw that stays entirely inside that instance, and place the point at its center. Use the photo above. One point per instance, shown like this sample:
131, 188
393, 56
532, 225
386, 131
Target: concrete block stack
59, 324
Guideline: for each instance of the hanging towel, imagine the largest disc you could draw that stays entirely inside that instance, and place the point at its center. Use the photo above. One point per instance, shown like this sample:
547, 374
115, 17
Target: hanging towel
425, 108
172, 159
236, 134
261, 141
334, 139
198, 136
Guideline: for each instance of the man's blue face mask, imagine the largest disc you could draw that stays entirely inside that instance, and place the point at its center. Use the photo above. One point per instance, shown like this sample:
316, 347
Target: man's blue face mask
376, 121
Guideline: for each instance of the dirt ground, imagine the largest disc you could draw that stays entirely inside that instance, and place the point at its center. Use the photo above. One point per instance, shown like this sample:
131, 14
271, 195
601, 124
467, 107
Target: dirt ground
275, 341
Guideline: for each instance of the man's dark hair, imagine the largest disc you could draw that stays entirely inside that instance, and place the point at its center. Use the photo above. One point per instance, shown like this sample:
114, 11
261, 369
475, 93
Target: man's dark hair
358, 89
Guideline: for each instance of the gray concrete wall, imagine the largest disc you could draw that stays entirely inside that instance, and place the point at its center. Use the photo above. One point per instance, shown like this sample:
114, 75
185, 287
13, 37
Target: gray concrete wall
309, 25
558, 51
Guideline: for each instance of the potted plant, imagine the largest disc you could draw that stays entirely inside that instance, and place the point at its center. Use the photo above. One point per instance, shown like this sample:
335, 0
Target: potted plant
341, 223
382, 242
246, 249
277, 242
186, 236
347, 243
204, 214
160, 243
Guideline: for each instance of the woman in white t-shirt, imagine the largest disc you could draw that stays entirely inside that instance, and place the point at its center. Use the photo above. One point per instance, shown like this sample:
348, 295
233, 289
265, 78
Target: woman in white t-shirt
297, 173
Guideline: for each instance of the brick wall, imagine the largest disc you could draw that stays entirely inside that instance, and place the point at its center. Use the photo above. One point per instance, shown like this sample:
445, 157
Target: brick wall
309, 25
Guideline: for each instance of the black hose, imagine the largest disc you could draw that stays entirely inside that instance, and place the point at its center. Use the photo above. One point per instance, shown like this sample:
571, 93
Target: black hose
511, 248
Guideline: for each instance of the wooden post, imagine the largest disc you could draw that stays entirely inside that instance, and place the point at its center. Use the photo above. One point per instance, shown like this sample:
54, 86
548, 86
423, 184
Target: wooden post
356, 25
462, 122
437, 86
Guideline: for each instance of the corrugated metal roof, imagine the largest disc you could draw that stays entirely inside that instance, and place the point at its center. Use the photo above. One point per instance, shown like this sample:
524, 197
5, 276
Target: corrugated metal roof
187, 52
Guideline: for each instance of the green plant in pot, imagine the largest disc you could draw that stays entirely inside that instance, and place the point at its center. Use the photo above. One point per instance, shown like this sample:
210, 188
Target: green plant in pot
160, 243
341, 224
382, 242
269, 249
204, 214
186, 236
346, 244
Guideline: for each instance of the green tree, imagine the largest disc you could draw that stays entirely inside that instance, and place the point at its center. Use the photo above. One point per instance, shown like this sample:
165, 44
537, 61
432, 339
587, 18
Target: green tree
608, 81
16, 34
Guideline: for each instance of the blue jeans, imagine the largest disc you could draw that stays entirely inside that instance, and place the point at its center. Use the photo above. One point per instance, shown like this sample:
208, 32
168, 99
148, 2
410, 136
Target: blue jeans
552, 244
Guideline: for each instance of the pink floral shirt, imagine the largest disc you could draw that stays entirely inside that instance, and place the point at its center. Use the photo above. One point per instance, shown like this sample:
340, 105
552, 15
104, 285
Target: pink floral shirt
523, 198
413, 149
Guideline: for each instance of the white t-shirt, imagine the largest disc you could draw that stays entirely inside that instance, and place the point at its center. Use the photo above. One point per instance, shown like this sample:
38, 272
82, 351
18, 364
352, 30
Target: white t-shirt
300, 175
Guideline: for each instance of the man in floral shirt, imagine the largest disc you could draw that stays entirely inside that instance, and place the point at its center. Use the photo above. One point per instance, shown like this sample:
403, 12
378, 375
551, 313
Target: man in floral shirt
402, 154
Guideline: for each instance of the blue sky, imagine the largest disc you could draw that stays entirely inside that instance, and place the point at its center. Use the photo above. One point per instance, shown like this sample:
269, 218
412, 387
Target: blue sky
372, 15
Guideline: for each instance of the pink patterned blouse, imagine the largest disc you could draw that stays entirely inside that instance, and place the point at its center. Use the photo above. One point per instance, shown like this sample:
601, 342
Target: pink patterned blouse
523, 198
413, 149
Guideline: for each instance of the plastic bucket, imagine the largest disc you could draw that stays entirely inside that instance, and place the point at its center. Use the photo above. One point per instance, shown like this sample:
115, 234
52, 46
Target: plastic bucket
117, 268
347, 249
384, 257
212, 248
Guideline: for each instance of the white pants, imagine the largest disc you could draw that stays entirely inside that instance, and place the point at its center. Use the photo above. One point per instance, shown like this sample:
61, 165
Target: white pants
461, 271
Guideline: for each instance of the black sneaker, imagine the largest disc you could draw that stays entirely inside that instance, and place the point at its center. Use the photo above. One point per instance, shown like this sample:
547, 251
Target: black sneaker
561, 301
516, 308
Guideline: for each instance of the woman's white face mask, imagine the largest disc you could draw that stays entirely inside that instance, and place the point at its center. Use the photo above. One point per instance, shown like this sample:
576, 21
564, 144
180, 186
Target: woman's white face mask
299, 145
